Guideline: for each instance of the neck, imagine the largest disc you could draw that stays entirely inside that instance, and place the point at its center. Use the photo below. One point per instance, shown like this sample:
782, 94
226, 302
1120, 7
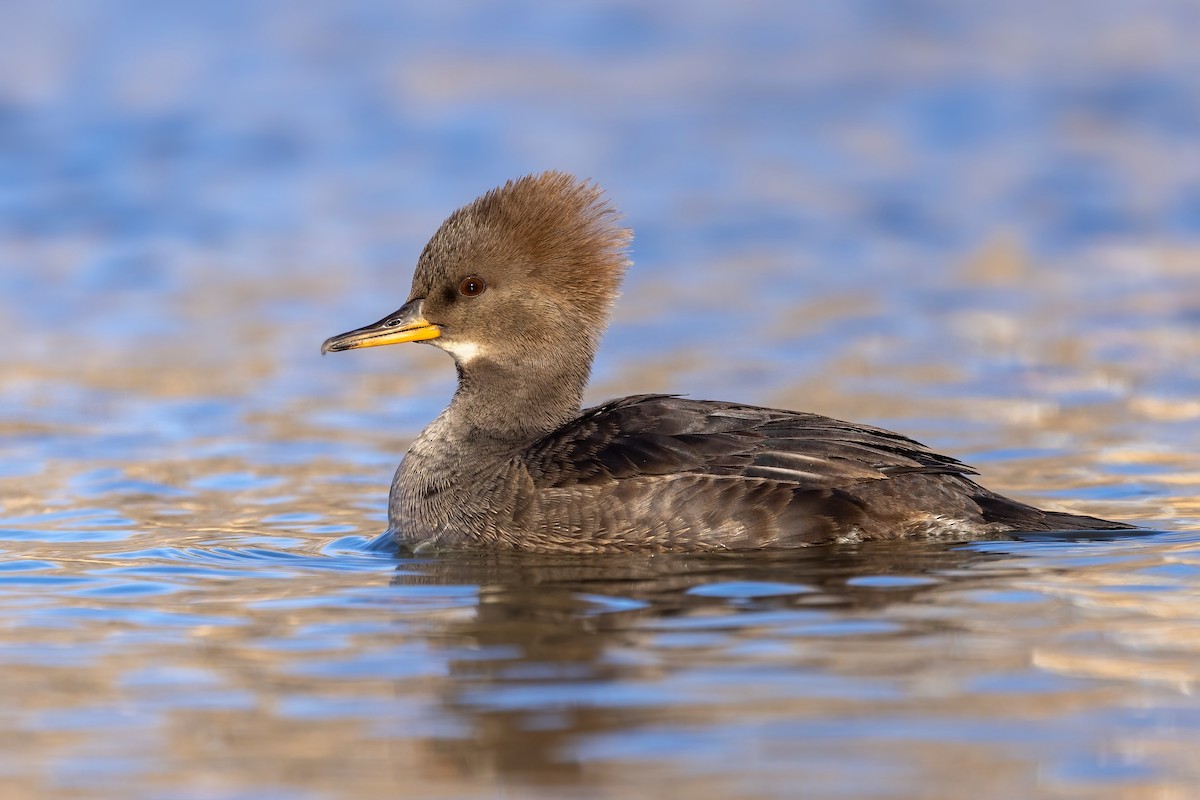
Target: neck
495, 413
525, 403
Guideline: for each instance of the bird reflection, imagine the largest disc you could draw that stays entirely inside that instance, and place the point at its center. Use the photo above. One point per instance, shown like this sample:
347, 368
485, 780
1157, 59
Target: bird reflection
557, 645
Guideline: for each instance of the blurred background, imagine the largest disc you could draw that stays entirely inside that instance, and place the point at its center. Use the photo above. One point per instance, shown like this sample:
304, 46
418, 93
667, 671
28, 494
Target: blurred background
978, 223
903, 204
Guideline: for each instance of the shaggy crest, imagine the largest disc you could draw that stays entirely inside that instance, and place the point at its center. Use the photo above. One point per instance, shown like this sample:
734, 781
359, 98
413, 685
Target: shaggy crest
553, 228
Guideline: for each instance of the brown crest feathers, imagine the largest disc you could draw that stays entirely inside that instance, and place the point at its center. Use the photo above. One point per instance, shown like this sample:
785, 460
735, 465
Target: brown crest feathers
560, 222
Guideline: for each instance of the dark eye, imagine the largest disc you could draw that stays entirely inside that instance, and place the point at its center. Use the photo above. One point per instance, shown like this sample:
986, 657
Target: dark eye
472, 286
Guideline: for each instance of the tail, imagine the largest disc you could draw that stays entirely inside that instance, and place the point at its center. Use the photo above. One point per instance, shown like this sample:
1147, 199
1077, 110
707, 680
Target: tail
1021, 517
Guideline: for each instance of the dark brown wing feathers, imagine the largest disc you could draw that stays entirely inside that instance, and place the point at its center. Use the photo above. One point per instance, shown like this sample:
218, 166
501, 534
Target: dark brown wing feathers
722, 475
647, 435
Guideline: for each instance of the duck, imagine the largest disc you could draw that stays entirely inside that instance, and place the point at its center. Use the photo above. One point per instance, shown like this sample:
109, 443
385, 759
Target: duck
517, 287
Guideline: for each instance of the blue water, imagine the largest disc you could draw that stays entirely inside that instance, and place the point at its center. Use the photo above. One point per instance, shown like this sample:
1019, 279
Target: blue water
978, 224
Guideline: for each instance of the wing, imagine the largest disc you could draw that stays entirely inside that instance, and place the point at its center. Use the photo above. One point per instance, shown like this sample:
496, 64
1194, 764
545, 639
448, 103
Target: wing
663, 472
648, 435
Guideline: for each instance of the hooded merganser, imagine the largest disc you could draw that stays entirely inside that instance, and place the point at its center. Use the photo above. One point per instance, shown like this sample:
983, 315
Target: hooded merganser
517, 287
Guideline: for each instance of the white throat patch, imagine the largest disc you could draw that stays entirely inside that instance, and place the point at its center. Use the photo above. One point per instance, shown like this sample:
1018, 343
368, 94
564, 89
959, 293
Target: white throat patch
463, 352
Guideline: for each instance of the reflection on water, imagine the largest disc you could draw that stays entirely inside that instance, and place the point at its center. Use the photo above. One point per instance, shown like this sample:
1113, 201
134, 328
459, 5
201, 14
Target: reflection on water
1047, 665
978, 225
565, 659
574, 671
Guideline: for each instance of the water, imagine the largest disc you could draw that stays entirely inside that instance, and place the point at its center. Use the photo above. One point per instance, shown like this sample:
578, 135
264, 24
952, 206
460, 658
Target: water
978, 225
